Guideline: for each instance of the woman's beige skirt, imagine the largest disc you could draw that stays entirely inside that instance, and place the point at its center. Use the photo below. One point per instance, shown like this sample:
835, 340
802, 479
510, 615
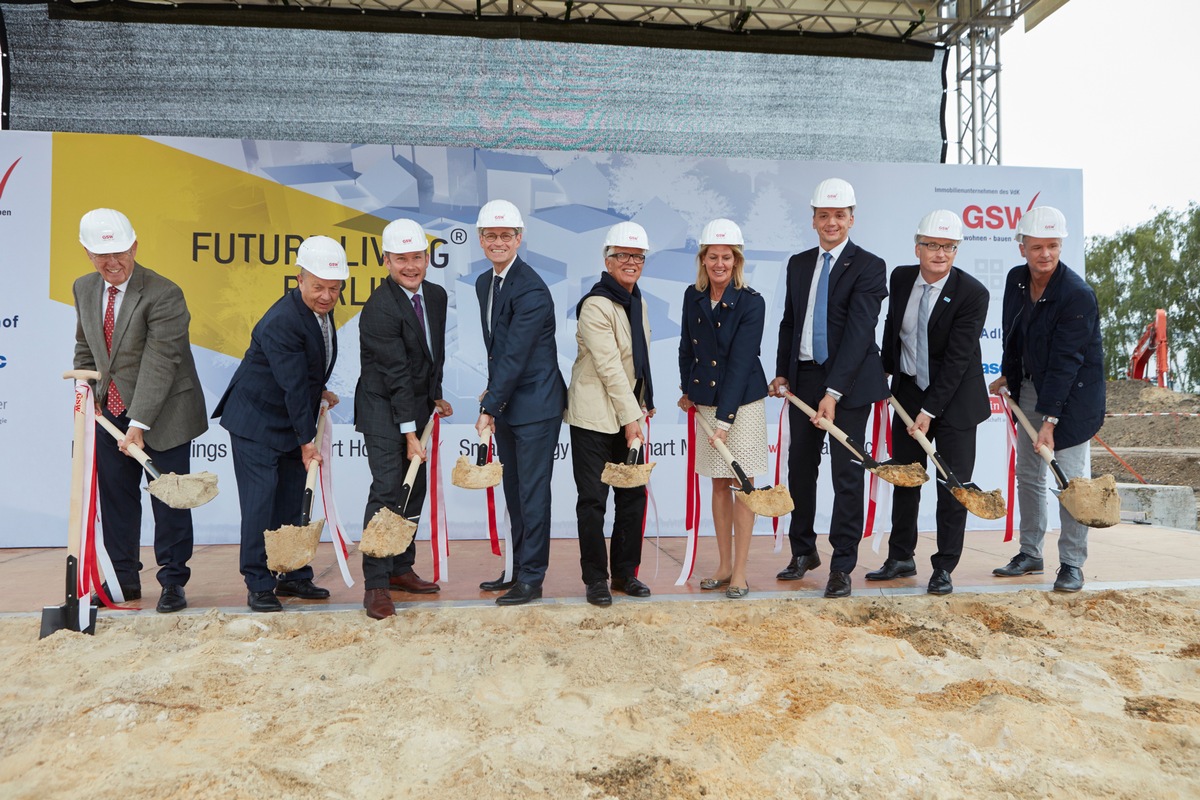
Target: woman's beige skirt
747, 440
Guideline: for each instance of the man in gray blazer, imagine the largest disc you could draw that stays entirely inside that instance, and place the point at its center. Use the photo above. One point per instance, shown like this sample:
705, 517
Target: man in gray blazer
132, 327
402, 345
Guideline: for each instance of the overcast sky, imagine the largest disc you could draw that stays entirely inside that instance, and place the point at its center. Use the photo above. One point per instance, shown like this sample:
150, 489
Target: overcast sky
1109, 87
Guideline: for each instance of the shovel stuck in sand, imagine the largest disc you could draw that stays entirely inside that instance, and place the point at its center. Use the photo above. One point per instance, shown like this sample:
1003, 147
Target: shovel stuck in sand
771, 501
293, 546
481, 474
629, 475
1090, 501
177, 491
895, 474
388, 533
985, 505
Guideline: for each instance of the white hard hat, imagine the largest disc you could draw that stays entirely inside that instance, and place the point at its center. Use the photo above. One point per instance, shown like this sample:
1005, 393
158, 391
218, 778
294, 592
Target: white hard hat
404, 236
1043, 222
627, 234
940, 224
722, 231
499, 214
324, 258
104, 230
833, 193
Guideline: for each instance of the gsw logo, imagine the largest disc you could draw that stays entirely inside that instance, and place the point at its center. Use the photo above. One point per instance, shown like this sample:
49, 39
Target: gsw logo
8, 172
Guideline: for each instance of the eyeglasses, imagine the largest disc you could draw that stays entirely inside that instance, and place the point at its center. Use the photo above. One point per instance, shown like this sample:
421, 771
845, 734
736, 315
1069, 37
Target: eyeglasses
490, 238
109, 256
934, 247
624, 258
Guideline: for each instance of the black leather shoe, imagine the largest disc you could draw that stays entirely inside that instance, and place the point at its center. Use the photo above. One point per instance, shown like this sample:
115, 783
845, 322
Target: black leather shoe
630, 586
1022, 564
498, 585
598, 594
263, 601
839, 585
893, 569
520, 594
940, 583
798, 566
305, 590
172, 599
130, 593
1070, 579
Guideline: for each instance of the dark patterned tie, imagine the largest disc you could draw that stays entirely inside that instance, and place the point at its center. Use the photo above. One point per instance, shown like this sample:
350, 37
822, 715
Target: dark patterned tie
114, 404
496, 281
328, 337
420, 312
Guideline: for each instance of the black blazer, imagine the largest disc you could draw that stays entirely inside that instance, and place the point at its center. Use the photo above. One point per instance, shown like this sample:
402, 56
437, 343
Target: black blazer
719, 349
857, 286
524, 383
400, 376
275, 395
957, 392
1067, 358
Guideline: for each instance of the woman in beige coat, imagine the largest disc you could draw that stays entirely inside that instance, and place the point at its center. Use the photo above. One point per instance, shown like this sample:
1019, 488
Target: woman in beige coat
610, 393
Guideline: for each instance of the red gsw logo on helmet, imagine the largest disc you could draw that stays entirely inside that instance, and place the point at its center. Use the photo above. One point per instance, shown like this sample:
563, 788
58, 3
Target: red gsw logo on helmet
107, 237
334, 264
407, 241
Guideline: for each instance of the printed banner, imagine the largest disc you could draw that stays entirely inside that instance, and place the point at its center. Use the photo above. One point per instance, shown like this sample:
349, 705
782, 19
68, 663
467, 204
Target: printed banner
224, 218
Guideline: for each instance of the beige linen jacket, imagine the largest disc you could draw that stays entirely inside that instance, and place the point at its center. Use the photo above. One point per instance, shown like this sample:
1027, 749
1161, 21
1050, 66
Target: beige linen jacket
600, 397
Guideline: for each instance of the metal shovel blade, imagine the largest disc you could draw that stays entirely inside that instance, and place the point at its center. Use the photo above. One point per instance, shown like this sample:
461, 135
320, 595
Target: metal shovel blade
66, 616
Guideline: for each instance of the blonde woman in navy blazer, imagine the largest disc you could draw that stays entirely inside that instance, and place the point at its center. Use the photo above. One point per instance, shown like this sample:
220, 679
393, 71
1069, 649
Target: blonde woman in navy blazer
720, 373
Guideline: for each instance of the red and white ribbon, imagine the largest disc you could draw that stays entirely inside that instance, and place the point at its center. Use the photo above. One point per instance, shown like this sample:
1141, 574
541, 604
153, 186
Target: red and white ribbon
1010, 430
783, 444
341, 544
92, 559
650, 503
439, 534
692, 520
880, 490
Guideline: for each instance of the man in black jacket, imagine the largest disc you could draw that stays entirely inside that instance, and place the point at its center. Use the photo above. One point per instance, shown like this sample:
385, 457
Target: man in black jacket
1053, 365
931, 349
402, 345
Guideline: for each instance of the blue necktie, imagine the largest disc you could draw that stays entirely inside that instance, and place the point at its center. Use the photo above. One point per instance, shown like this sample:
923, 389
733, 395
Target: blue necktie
496, 281
820, 335
922, 343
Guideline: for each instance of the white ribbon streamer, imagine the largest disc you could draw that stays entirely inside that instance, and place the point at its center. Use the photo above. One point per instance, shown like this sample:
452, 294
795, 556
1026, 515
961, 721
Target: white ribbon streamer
341, 543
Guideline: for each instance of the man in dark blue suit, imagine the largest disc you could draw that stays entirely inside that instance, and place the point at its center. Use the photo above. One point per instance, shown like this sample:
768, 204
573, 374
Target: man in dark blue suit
1053, 365
931, 349
828, 358
270, 410
402, 344
525, 396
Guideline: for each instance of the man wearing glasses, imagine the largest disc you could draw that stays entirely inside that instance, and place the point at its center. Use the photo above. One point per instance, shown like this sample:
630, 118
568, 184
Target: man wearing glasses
931, 349
523, 403
132, 327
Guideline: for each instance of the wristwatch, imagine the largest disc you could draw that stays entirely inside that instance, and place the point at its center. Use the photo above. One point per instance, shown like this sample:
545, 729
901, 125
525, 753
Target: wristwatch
1051, 420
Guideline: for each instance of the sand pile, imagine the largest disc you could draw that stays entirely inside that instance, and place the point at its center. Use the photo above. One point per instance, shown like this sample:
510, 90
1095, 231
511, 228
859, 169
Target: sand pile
1017, 695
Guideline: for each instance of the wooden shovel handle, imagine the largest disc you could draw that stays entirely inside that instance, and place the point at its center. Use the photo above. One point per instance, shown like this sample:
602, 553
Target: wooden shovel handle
75, 522
485, 444
134, 450
921, 438
747, 487
828, 426
414, 464
81, 375
310, 481
632, 456
1042, 451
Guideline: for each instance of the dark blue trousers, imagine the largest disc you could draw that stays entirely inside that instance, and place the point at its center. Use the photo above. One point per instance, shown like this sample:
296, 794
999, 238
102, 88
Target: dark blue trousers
527, 453
270, 491
119, 480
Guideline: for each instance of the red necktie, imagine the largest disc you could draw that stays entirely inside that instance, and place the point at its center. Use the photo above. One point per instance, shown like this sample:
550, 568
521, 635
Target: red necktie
114, 403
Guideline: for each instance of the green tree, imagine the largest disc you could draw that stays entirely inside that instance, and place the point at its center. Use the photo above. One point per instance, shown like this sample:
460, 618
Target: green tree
1139, 270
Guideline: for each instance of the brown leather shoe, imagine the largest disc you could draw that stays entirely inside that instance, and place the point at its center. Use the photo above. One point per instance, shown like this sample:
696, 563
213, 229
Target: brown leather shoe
378, 604
412, 583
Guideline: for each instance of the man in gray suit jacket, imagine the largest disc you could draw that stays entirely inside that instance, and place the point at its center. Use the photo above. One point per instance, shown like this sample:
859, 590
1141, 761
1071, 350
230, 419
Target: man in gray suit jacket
402, 345
132, 327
